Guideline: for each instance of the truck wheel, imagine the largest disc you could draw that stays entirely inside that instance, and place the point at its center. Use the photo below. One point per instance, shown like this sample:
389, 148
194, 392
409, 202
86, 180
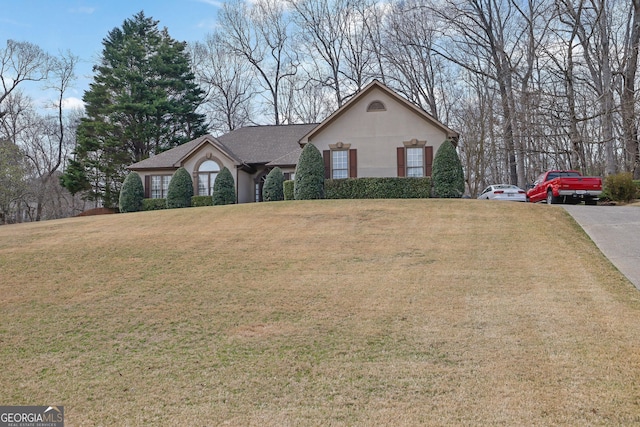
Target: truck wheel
551, 200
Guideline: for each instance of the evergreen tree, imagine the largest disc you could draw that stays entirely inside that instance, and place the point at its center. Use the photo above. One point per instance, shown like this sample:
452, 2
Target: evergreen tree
309, 180
142, 101
273, 190
180, 190
131, 194
447, 174
224, 188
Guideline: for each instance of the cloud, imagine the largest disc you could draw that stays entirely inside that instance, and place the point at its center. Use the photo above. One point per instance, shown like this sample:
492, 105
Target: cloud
209, 24
72, 103
215, 3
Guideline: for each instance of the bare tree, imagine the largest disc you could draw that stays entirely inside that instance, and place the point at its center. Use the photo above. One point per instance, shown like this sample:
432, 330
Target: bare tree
628, 95
413, 68
227, 82
20, 62
590, 20
322, 25
260, 34
481, 44
45, 139
13, 182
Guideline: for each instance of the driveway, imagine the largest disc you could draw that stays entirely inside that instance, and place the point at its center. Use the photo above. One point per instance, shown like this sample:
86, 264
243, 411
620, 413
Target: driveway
616, 231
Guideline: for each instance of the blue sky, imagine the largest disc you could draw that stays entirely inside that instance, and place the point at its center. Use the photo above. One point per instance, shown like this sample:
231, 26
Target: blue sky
79, 26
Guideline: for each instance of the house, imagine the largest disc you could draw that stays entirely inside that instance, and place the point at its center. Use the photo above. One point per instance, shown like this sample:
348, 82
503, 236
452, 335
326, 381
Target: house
377, 133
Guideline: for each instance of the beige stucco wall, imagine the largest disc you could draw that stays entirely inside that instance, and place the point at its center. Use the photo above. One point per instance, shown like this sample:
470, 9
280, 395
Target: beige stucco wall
244, 186
376, 135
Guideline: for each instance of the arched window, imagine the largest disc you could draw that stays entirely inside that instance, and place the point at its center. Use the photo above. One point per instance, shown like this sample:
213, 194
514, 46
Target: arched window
207, 173
376, 106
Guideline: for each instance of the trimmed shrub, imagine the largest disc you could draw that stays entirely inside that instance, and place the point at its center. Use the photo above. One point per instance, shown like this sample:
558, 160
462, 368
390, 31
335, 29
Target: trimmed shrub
620, 187
447, 174
154, 204
131, 194
377, 188
272, 191
309, 181
197, 201
287, 189
224, 189
180, 190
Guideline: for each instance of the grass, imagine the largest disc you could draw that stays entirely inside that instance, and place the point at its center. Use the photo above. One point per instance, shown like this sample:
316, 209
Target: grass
374, 312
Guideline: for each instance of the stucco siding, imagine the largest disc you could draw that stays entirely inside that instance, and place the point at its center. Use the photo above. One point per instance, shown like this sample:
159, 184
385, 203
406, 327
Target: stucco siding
377, 134
244, 187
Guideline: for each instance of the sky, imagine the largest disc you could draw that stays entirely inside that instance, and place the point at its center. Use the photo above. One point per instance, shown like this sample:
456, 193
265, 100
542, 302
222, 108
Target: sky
79, 26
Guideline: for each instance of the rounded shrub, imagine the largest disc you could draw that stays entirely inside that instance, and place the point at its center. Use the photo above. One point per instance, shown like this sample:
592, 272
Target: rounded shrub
620, 187
224, 188
309, 180
180, 190
273, 191
131, 194
447, 175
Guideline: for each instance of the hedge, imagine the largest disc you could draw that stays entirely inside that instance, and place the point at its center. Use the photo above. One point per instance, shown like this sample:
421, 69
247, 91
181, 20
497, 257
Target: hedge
378, 188
157, 204
620, 187
198, 201
287, 187
154, 204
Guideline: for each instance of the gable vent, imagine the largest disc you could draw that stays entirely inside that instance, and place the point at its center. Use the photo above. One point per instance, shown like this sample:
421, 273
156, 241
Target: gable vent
376, 106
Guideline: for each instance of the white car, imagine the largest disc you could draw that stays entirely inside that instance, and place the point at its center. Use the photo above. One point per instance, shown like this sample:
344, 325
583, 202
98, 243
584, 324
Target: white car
504, 192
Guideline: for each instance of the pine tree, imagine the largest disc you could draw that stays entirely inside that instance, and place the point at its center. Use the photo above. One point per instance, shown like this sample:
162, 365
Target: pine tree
224, 188
142, 101
447, 174
309, 180
180, 190
273, 190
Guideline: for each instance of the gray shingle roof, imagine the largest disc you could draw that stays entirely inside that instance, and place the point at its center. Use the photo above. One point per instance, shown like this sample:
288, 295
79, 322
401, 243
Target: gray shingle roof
263, 144
170, 158
249, 145
289, 159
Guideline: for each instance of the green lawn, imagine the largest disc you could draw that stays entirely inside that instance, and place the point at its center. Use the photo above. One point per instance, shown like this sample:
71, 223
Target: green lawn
368, 312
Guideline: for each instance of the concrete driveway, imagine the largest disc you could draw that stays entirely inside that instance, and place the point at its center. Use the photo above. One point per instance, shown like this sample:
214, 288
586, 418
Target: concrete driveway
616, 231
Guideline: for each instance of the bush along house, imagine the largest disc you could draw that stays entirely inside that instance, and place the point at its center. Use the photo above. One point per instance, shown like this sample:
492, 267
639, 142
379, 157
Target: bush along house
377, 134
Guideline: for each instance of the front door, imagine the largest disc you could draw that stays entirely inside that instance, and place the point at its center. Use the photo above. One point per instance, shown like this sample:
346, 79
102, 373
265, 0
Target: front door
259, 185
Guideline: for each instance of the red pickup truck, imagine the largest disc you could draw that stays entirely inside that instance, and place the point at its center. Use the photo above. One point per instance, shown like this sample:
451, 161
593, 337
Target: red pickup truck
556, 186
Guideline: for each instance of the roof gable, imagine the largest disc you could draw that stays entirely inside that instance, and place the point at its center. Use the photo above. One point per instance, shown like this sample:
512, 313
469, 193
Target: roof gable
175, 157
375, 84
